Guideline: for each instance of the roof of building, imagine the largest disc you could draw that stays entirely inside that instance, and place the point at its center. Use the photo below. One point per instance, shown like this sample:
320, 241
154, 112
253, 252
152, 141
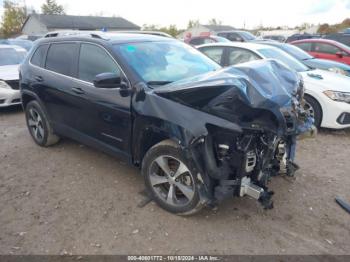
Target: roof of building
218, 28
83, 22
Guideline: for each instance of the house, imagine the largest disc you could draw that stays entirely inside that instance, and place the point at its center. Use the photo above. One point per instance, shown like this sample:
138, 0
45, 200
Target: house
39, 24
204, 30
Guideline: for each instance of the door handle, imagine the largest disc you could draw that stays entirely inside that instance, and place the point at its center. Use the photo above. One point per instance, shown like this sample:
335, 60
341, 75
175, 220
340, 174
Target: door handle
78, 90
39, 78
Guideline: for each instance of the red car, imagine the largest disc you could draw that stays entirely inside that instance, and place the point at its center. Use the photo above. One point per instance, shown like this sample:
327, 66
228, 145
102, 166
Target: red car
325, 49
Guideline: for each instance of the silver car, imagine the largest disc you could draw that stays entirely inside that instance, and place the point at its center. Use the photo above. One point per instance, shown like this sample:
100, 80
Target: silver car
10, 59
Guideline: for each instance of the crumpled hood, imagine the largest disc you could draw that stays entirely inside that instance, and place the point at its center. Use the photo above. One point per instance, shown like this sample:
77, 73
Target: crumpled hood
249, 94
9, 72
326, 80
261, 83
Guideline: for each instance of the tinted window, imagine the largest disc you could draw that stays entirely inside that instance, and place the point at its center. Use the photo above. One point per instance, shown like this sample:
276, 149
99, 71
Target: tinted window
326, 48
237, 56
61, 58
94, 60
39, 55
208, 41
234, 37
214, 53
305, 46
197, 41
248, 35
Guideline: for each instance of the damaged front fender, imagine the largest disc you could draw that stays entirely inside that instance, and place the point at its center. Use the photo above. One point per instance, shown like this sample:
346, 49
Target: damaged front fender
234, 124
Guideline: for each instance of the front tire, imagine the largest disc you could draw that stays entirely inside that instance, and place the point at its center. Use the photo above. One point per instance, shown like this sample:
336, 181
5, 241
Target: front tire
314, 108
170, 179
38, 125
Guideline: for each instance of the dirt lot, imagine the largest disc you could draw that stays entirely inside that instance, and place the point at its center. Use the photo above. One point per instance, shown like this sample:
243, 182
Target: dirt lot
73, 199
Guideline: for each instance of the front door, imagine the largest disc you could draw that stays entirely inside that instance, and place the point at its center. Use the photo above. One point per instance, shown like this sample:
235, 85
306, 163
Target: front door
101, 113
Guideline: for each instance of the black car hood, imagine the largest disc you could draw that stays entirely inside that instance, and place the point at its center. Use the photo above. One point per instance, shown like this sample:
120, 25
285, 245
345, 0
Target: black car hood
247, 94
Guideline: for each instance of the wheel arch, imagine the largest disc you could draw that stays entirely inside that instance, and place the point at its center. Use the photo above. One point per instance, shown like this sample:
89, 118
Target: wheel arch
149, 131
319, 104
28, 96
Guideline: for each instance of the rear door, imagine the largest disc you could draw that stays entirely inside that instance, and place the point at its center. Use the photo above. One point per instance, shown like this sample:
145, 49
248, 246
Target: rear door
53, 81
326, 51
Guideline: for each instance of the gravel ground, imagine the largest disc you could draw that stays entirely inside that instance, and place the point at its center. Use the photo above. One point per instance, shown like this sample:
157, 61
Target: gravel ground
71, 199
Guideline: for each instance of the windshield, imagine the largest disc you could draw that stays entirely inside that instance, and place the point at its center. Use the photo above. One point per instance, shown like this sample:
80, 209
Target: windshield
164, 62
285, 58
248, 36
22, 43
296, 52
9, 56
221, 39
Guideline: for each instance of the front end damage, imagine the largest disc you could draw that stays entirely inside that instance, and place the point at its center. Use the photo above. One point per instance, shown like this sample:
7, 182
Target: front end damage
238, 125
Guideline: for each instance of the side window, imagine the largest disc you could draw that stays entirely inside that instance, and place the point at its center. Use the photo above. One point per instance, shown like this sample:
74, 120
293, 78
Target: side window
61, 58
234, 37
208, 41
94, 60
326, 48
215, 53
197, 41
238, 55
38, 58
305, 46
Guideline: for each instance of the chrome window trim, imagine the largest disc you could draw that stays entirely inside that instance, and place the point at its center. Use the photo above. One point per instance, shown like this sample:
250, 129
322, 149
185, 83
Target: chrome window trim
74, 78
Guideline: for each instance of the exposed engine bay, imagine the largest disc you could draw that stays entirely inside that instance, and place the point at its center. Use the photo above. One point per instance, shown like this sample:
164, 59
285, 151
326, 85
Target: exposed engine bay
240, 126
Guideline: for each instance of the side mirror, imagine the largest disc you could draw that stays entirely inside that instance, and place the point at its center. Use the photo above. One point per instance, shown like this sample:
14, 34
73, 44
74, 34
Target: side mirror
339, 54
109, 80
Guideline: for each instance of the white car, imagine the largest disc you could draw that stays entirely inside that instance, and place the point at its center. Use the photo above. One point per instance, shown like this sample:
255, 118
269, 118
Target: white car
10, 59
327, 94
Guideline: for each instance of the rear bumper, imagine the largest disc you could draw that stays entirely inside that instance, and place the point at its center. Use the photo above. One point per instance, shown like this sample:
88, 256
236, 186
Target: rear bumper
9, 97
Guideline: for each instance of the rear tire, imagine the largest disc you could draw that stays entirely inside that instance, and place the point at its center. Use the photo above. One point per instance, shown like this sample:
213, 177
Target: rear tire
38, 125
170, 179
314, 108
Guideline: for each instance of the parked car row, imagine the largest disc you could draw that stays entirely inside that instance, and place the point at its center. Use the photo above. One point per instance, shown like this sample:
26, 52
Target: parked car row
327, 94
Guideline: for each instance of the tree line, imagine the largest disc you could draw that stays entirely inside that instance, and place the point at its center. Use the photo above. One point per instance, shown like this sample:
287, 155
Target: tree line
15, 15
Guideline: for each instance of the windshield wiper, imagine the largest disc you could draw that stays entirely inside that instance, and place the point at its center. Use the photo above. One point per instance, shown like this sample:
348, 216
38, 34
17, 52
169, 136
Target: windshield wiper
158, 83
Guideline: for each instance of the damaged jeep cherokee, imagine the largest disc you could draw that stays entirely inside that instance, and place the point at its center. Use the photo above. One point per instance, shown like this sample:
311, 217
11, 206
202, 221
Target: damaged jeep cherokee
198, 133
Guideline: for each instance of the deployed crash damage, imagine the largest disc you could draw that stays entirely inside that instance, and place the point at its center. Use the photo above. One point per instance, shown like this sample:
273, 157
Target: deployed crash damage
238, 126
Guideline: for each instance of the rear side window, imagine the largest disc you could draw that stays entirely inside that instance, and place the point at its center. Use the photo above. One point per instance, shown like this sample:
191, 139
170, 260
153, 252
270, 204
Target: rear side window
305, 46
61, 58
234, 37
326, 48
197, 41
238, 55
38, 58
93, 60
214, 53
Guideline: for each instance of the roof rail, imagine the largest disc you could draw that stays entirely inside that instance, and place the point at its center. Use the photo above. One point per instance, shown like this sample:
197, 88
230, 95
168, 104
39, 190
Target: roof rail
99, 35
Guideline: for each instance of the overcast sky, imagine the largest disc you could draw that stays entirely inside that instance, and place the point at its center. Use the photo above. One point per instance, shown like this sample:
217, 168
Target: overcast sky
250, 13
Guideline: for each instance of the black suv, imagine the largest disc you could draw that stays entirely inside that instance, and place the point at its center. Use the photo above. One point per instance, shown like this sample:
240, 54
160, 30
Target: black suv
199, 133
